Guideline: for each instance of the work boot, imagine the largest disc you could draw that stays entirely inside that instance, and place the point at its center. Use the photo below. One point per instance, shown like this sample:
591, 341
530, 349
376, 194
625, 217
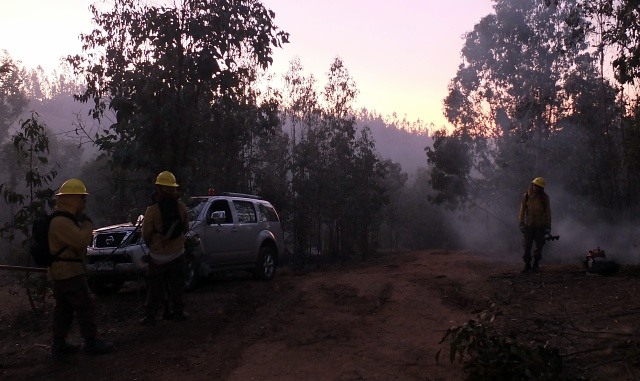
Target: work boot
93, 347
536, 268
148, 321
62, 347
527, 267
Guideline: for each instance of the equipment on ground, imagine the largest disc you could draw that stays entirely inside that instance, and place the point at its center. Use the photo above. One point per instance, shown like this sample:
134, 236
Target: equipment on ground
595, 263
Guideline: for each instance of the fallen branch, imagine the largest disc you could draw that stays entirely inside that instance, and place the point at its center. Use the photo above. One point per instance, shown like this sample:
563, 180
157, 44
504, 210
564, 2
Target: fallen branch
24, 268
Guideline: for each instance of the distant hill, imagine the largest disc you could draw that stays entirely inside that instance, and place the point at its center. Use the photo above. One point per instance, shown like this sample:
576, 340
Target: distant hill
399, 144
396, 143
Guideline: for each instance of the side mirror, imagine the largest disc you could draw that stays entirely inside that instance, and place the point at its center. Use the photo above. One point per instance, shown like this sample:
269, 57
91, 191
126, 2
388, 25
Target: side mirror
218, 217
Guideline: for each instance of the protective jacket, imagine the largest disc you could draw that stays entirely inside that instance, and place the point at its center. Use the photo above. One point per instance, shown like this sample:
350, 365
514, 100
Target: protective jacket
535, 210
152, 231
65, 233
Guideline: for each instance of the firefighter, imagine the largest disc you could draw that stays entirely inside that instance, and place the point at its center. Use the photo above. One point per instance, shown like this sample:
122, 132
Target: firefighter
70, 290
535, 222
165, 224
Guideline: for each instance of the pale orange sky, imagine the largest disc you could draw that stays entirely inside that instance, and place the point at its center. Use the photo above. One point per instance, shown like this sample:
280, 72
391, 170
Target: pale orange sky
401, 53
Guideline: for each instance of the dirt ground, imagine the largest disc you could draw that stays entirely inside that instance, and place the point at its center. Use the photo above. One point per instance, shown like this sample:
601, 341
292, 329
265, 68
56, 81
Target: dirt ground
378, 320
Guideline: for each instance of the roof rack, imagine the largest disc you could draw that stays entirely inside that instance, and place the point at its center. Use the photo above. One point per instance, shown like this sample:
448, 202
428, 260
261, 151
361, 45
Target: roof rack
233, 194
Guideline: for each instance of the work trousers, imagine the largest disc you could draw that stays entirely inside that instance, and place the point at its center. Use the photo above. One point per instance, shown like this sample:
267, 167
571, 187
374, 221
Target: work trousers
73, 298
533, 235
165, 282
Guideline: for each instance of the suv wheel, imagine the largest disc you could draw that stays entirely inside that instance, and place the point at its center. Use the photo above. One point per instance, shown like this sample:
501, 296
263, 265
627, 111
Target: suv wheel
266, 264
105, 287
190, 273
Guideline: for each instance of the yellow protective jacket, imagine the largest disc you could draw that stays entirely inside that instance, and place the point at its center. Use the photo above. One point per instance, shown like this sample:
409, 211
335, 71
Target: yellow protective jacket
152, 231
535, 209
63, 232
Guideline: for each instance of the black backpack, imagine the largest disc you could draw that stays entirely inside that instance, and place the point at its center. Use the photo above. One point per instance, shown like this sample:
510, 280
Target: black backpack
39, 249
172, 225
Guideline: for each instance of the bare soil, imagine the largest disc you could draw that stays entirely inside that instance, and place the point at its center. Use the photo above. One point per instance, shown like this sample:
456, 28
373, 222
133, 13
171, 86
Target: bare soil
377, 320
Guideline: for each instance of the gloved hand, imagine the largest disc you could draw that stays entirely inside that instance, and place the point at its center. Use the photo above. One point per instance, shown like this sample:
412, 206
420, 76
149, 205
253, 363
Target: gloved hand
522, 227
547, 230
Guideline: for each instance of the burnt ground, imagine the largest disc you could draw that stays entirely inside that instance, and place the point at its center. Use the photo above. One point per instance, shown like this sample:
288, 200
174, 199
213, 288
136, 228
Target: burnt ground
378, 320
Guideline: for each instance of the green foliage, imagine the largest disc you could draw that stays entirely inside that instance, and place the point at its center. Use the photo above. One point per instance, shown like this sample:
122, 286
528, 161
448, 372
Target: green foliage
39, 290
31, 146
337, 180
179, 81
623, 32
490, 355
13, 100
530, 100
451, 163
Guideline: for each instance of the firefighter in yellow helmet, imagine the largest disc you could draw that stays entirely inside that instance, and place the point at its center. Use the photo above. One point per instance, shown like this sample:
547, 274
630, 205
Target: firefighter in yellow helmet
70, 232
535, 222
166, 221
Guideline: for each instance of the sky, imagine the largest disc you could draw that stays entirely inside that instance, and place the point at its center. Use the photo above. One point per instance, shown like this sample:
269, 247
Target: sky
401, 54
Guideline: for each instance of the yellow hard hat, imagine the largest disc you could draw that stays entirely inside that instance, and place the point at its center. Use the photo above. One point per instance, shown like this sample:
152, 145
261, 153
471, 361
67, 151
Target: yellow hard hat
166, 179
539, 181
72, 186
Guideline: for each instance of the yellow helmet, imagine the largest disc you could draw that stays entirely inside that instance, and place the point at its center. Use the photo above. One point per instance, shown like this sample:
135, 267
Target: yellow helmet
166, 179
72, 186
539, 181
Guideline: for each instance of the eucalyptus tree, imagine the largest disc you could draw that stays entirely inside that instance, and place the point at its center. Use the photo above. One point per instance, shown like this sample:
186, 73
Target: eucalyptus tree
367, 194
337, 132
336, 176
268, 157
510, 92
177, 82
624, 36
392, 220
13, 98
301, 107
300, 111
13, 102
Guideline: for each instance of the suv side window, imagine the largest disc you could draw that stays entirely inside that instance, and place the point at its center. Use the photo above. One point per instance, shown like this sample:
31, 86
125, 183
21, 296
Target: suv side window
269, 213
246, 212
217, 206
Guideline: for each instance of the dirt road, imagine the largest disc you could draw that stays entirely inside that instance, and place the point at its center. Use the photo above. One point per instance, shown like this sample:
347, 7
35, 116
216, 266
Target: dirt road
379, 320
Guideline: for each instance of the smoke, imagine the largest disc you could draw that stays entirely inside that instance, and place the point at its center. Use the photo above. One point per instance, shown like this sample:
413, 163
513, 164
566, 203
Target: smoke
583, 227
487, 231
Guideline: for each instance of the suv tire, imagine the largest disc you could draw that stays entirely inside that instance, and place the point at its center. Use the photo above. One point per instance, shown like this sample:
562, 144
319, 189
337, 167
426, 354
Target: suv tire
191, 277
266, 264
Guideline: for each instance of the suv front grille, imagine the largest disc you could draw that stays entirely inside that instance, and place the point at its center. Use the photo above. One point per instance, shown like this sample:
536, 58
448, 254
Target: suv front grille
109, 239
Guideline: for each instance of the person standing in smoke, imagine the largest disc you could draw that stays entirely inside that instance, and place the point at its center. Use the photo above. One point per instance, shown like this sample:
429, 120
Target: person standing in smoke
164, 227
535, 222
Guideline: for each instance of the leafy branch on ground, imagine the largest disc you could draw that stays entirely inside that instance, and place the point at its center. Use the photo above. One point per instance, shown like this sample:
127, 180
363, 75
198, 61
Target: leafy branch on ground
487, 354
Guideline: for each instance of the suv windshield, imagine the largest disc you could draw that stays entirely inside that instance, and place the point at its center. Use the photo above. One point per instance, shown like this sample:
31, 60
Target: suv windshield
195, 207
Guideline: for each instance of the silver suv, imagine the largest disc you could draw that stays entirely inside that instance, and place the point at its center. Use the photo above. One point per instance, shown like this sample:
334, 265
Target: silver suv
230, 231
